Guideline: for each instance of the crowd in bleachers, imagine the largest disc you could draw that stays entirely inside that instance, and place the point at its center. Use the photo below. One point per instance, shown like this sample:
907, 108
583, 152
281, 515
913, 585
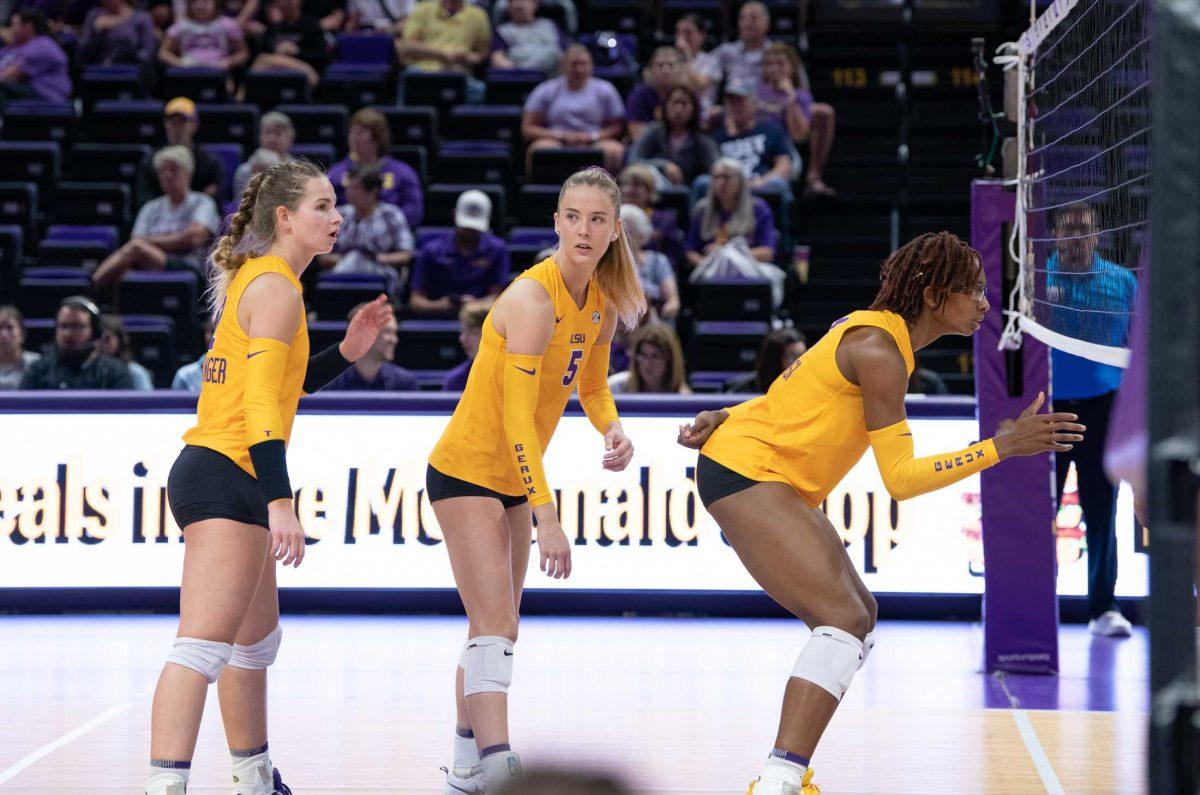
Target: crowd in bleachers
130, 129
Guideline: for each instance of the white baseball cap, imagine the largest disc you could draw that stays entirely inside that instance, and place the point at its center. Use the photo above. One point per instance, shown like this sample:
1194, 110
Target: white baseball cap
473, 211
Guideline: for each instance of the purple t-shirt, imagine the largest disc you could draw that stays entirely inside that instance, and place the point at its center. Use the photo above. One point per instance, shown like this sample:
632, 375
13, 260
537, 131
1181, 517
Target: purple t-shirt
772, 103
586, 110
764, 229
441, 270
401, 186
390, 378
456, 379
205, 43
43, 65
642, 105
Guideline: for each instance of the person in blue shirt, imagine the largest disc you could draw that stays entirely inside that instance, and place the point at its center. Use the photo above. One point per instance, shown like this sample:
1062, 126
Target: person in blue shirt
1078, 278
374, 370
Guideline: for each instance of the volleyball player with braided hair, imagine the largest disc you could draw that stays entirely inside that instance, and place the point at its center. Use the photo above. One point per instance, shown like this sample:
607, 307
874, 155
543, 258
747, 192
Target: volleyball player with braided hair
766, 465
229, 489
547, 334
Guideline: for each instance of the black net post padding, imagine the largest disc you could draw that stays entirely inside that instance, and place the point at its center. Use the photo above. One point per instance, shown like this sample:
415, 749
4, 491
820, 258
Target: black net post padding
1174, 400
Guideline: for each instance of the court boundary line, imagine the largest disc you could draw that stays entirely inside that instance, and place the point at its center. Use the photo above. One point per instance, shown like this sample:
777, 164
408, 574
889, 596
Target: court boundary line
1038, 754
27, 761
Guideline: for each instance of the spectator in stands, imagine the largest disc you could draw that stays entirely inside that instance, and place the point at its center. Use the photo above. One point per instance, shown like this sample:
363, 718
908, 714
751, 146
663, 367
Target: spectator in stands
761, 147
14, 359
275, 138
181, 120
527, 41
645, 102
675, 145
171, 232
690, 38
114, 342
369, 139
779, 349
730, 210
74, 361
784, 97
331, 15
656, 366
924, 381
654, 269
447, 36
462, 266
117, 33
739, 61
470, 324
189, 377
205, 38
640, 187
501, 12
382, 16
375, 237
292, 42
374, 371
33, 65
576, 109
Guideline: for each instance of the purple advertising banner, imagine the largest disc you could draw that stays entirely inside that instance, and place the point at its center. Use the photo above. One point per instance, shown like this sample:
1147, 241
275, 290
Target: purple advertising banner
1020, 606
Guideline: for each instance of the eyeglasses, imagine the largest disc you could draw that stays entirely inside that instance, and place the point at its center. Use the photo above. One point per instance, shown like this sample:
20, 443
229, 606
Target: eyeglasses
650, 356
976, 294
72, 326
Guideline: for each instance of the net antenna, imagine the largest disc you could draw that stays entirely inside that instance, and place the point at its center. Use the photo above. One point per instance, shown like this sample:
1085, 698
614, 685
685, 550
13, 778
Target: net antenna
1083, 176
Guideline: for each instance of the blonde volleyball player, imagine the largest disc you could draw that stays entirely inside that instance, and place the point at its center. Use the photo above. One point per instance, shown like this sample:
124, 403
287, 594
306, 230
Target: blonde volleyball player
766, 465
547, 334
229, 488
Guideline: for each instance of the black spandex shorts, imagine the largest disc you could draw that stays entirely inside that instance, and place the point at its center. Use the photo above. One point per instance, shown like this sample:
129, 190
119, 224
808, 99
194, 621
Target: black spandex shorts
204, 484
442, 487
714, 481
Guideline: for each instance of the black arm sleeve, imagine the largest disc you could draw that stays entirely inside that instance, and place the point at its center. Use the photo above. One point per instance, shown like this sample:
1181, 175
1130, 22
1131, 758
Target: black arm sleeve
270, 467
323, 368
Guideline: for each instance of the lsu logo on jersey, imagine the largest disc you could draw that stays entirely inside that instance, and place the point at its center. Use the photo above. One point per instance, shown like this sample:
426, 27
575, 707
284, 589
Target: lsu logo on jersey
578, 339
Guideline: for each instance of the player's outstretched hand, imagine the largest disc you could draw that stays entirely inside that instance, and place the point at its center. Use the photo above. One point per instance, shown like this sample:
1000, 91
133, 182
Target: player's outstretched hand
1032, 433
696, 433
553, 547
287, 537
365, 327
618, 450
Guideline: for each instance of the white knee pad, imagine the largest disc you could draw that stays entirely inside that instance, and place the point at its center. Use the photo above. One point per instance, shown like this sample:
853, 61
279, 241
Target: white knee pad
829, 660
205, 657
868, 644
487, 665
258, 655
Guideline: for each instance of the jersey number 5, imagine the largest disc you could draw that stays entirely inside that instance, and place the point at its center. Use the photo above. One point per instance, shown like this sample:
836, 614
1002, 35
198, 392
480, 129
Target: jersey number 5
572, 367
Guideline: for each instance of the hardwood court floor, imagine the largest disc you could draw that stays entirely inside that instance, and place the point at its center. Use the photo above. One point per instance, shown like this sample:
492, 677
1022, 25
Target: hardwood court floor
363, 706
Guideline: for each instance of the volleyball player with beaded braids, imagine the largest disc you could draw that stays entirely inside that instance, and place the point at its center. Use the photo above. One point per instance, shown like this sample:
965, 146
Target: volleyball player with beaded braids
766, 465
229, 489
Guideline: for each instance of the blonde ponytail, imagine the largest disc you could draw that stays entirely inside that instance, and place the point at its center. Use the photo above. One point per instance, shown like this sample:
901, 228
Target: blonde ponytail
616, 273
252, 225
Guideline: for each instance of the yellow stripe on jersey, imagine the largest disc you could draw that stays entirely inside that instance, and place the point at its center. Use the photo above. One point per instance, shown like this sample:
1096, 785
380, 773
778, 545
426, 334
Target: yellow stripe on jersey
227, 397
809, 429
475, 445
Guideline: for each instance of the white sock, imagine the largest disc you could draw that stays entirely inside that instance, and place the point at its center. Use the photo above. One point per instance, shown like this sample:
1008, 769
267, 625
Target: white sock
252, 772
500, 766
784, 767
466, 752
167, 777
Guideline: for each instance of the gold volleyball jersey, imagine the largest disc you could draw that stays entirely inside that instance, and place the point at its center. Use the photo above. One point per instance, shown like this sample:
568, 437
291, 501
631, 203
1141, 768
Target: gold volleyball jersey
220, 416
808, 430
474, 446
